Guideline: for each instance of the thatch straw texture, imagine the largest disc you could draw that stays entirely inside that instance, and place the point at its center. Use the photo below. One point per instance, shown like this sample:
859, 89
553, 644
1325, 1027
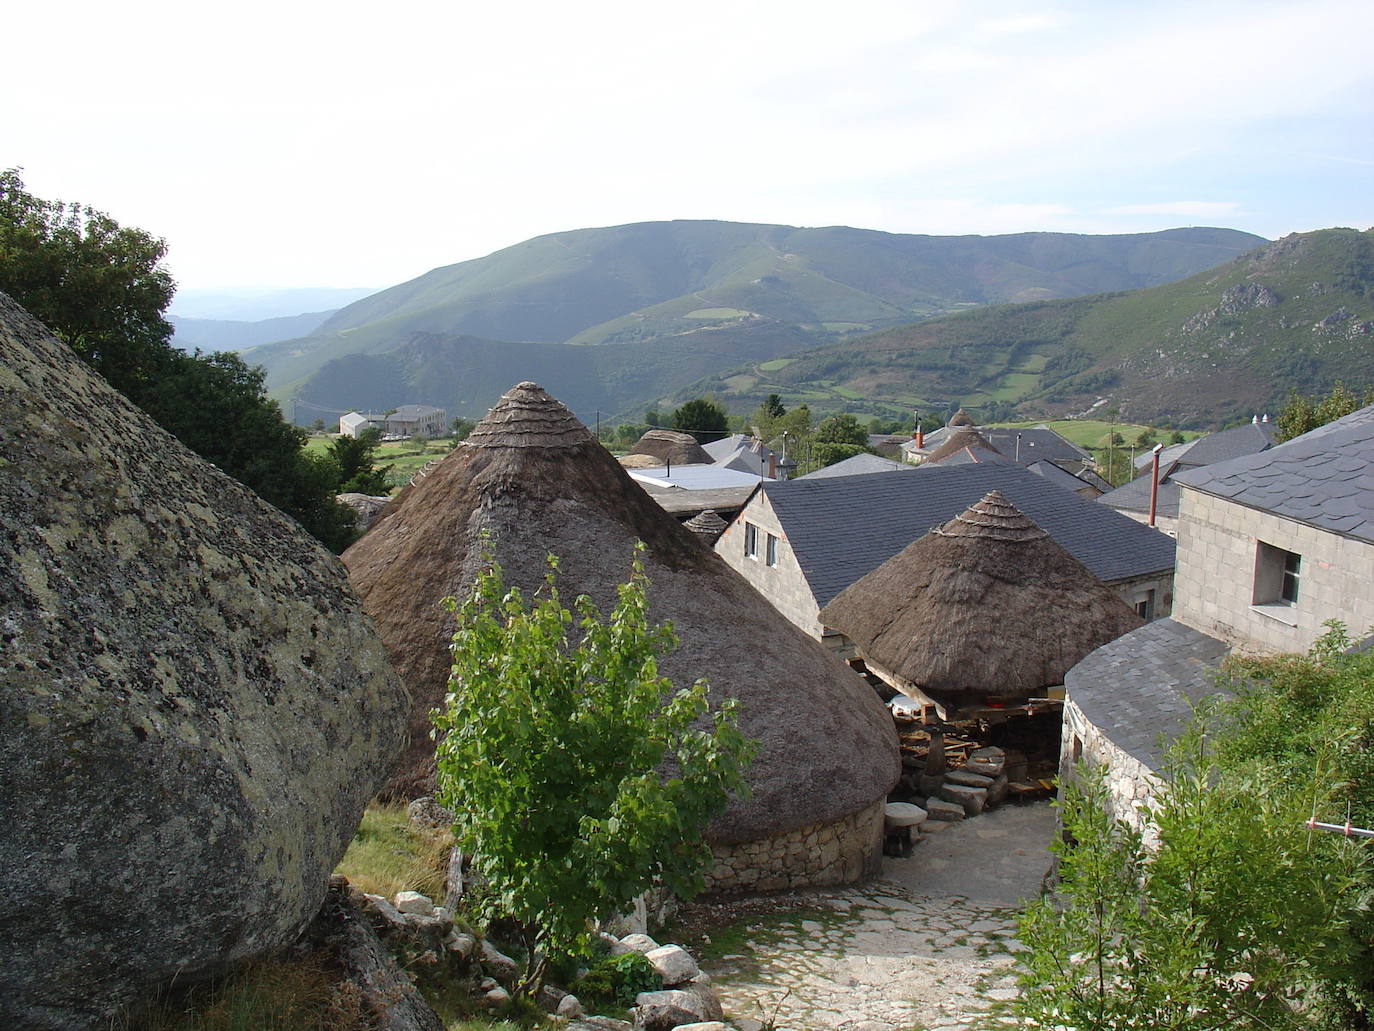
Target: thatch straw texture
967, 436
537, 481
671, 446
961, 418
987, 604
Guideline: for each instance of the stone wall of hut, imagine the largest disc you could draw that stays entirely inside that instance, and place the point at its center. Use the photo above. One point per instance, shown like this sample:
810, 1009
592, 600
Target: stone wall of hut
1130, 783
841, 852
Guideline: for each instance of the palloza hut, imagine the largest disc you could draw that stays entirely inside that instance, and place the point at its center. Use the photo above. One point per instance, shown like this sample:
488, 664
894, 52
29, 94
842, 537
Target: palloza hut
533, 478
671, 447
987, 605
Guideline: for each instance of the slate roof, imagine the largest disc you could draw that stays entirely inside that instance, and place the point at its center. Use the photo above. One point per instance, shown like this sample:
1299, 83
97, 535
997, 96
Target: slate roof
1062, 478
1037, 443
859, 465
1140, 689
411, 413
1324, 478
841, 527
693, 477
1248, 439
973, 456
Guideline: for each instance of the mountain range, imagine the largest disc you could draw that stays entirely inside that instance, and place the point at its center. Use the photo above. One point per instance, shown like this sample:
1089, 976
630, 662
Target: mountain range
1296, 314
608, 319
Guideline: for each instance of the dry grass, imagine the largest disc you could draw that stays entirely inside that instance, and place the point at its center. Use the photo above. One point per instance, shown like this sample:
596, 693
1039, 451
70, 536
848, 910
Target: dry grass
271, 995
390, 854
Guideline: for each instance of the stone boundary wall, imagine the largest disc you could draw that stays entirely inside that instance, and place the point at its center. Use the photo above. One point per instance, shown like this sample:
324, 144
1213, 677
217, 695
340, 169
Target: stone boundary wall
840, 852
1130, 783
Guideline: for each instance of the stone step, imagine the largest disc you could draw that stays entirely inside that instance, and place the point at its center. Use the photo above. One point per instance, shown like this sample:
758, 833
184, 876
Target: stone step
972, 799
968, 779
939, 809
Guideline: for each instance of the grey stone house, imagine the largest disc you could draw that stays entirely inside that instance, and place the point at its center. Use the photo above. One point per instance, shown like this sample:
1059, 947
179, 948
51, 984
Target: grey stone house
801, 542
1270, 546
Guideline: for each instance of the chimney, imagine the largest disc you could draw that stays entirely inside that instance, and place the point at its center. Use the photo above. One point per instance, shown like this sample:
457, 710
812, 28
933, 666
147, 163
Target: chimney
1154, 482
1254, 420
1266, 417
919, 437
772, 466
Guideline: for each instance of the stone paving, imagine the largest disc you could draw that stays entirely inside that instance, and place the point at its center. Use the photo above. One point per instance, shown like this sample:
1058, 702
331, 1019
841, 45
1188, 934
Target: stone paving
929, 945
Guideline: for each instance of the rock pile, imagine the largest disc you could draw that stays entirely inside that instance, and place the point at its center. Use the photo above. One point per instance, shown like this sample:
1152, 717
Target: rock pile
954, 793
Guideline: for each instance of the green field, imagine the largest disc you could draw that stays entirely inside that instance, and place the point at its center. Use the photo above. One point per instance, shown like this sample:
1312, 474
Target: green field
404, 456
718, 313
776, 364
1092, 433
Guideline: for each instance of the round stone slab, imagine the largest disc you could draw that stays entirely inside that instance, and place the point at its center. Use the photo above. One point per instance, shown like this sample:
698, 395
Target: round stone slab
903, 814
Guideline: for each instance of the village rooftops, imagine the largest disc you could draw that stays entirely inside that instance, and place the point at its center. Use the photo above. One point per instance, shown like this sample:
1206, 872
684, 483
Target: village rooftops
841, 527
693, 477
1324, 478
1022, 445
1238, 441
857, 465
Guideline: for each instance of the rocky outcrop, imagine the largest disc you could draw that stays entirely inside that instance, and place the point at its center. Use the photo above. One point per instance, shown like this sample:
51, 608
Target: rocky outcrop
193, 707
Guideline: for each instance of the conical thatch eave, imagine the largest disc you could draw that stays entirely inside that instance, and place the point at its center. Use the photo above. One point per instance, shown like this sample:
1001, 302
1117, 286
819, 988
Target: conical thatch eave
672, 446
986, 605
966, 437
827, 746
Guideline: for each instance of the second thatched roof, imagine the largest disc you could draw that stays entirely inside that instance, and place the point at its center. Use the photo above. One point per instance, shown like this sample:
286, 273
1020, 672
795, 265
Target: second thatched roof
537, 482
987, 604
670, 446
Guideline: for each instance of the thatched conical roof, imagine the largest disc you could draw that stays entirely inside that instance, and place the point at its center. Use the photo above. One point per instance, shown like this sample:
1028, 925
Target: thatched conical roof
961, 418
988, 604
966, 437
707, 525
535, 480
671, 446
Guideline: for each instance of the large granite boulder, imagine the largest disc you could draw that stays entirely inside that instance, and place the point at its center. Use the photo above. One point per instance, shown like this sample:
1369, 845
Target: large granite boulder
193, 707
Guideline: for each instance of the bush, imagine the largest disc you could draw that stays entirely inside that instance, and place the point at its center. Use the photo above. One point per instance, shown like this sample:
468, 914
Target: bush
617, 979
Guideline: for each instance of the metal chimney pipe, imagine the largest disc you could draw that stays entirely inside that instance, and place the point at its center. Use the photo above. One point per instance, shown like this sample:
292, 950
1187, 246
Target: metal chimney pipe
1154, 482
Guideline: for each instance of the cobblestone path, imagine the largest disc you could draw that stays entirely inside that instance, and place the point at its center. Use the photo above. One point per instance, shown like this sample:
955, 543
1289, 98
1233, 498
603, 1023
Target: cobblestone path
901, 952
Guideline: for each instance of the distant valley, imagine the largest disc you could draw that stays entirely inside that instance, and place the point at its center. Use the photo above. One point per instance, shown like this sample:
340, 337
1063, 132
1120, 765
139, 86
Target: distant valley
609, 319
1228, 342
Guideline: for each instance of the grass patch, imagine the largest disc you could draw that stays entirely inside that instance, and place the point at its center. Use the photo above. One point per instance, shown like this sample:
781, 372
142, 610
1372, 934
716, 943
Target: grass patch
295, 995
718, 313
390, 854
775, 364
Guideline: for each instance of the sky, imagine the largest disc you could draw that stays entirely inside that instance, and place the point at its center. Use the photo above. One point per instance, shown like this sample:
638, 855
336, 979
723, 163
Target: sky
292, 144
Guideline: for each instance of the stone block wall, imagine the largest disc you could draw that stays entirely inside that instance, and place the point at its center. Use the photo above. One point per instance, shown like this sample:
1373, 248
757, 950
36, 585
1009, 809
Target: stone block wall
1214, 586
784, 585
816, 854
1130, 783
1137, 588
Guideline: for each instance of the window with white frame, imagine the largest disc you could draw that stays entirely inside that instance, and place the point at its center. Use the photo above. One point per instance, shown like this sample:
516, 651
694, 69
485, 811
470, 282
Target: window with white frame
771, 554
751, 541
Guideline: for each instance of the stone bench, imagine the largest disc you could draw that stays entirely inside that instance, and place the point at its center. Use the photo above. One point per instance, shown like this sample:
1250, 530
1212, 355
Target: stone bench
899, 818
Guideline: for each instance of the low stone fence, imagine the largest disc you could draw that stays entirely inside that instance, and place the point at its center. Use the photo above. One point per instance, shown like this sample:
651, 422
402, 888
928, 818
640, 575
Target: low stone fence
816, 854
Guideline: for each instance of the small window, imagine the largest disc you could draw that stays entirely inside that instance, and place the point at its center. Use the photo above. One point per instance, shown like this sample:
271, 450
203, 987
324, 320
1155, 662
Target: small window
1145, 606
771, 556
751, 541
1278, 574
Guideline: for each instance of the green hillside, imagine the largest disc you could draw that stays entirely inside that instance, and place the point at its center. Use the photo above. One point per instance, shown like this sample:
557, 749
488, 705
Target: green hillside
1234, 340
701, 296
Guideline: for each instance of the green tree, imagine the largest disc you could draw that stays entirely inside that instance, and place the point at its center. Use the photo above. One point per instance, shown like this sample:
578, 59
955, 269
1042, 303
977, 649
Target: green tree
1229, 912
652, 417
552, 752
703, 418
1301, 414
773, 407
102, 288
461, 428
355, 457
841, 429
99, 286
